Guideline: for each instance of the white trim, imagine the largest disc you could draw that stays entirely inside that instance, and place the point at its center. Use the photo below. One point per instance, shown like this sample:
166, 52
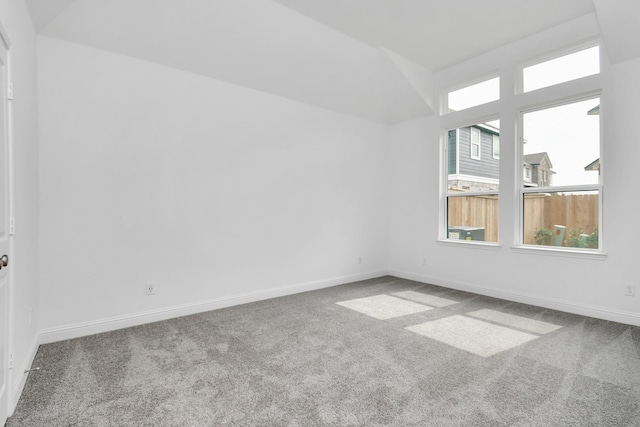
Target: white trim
560, 251
620, 316
562, 189
457, 131
471, 143
470, 243
18, 387
4, 37
118, 322
474, 178
493, 146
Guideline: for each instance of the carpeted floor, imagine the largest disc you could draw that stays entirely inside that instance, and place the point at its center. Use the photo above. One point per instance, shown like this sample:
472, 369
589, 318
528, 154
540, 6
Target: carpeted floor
379, 352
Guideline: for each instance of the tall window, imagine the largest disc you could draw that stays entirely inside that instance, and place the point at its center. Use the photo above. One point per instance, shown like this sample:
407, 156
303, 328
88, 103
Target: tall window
557, 163
473, 181
561, 207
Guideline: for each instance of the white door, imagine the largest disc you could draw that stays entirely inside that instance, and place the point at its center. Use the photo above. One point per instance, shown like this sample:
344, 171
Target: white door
4, 231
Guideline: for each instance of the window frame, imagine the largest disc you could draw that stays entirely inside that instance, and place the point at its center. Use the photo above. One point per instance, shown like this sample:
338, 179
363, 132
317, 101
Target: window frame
472, 144
495, 143
508, 108
523, 190
446, 194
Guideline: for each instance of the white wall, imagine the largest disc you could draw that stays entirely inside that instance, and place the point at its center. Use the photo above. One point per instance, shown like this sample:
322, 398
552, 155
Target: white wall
208, 189
589, 286
24, 259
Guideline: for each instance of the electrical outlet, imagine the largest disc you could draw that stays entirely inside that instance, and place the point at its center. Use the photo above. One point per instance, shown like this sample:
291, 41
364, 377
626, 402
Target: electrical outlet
630, 290
424, 261
359, 260
150, 289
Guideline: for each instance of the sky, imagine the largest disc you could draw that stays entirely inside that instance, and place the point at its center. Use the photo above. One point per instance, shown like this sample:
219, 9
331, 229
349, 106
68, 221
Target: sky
567, 133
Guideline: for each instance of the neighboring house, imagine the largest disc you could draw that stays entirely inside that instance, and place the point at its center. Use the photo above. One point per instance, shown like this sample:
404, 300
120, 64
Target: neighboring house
474, 161
537, 170
474, 158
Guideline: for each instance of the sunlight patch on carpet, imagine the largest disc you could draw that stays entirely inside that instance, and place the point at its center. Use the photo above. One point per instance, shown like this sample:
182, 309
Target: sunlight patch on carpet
425, 298
384, 306
475, 336
531, 325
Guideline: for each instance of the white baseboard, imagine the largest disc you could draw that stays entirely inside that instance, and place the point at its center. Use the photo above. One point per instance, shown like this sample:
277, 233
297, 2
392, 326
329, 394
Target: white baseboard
620, 316
119, 322
110, 324
19, 377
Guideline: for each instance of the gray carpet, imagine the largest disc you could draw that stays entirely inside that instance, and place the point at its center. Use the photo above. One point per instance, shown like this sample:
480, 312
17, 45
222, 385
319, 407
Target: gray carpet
303, 360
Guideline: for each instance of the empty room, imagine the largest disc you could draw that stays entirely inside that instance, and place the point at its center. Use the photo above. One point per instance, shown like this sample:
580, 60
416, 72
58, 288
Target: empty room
319, 213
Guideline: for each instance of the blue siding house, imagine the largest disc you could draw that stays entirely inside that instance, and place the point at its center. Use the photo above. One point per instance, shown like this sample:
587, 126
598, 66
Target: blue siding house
474, 161
474, 158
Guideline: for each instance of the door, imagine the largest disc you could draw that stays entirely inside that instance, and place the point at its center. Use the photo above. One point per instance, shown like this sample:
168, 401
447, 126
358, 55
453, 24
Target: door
4, 230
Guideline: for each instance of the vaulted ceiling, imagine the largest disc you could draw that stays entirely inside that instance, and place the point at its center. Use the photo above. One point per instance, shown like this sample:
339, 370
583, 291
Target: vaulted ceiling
368, 58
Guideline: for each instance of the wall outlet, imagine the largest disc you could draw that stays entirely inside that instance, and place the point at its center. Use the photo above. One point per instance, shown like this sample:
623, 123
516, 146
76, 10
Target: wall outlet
360, 260
150, 288
630, 289
424, 261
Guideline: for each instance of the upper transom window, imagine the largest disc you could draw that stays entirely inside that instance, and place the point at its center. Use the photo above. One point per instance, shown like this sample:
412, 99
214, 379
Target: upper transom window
562, 69
477, 94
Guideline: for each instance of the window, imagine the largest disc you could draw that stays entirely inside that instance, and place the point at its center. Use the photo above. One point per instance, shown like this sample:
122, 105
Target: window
472, 184
556, 168
471, 96
562, 206
563, 69
475, 143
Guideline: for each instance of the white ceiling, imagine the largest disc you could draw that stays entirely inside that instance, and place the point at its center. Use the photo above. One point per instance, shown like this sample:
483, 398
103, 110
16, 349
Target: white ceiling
337, 54
440, 33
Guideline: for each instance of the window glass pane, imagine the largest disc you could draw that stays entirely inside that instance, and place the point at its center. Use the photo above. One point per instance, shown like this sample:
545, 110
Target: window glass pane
475, 143
562, 219
477, 94
472, 218
563, 69
562, 145
471, 165
496, 146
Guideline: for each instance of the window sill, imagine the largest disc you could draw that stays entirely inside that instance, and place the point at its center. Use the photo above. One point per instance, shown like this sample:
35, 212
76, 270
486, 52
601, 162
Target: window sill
469, 244
562, 252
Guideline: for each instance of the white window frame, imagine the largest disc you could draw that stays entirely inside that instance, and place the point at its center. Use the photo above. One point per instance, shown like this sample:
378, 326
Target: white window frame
478, 144
496, 144
523, 190
443, 235
509, 108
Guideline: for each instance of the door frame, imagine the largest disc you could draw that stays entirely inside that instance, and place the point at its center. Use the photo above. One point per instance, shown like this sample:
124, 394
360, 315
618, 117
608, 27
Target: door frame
8, 332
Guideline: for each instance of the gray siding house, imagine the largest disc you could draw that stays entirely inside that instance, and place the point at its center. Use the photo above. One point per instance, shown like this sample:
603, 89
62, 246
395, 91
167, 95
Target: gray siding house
474, 161
474, 158
537, 170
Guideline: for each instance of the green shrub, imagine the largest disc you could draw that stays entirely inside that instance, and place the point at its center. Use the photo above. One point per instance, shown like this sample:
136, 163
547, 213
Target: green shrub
579, 239
543, 236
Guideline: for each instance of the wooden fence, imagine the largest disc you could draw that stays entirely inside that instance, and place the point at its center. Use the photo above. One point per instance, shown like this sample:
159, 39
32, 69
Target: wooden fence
475, 211
574, 211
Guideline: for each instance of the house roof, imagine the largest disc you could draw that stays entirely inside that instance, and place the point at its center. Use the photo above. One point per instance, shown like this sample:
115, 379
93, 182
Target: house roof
536, 158
593, 166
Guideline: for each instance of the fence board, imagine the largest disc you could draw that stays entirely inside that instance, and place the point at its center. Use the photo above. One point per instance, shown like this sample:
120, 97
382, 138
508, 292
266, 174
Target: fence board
574, 211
